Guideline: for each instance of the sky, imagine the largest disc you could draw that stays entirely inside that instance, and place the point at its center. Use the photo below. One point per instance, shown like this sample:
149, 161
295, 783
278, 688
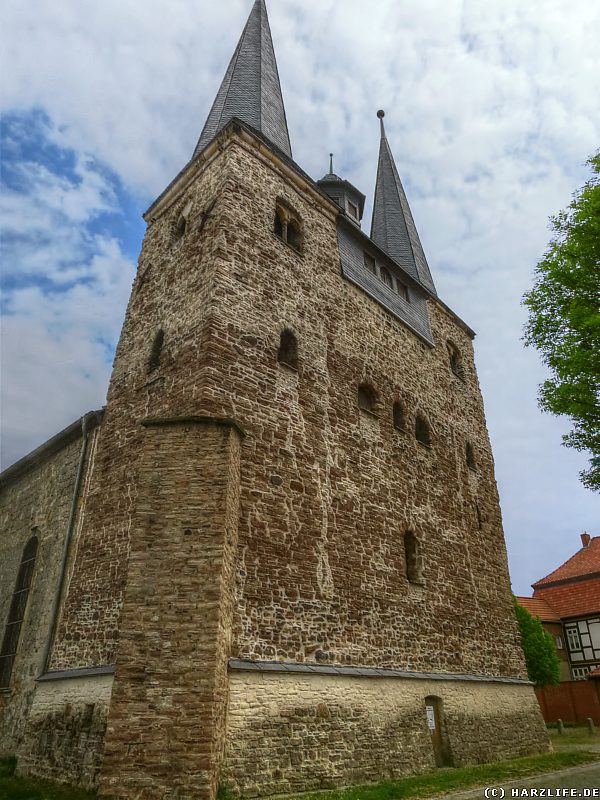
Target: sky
491, 112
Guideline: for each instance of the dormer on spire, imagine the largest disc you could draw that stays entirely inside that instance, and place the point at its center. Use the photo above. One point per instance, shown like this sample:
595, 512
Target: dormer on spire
392, 227
250, 89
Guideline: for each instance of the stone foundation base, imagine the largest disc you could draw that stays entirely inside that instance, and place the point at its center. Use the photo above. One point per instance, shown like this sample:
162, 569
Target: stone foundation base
64, 737
298, 732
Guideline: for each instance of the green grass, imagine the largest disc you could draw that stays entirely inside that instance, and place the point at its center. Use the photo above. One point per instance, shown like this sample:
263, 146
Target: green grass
453, 780
13, 788
575, 735
418, 786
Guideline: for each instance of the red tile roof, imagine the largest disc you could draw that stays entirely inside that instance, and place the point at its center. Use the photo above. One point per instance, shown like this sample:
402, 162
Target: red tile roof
595, 673
539, 608
572, 599
585, 561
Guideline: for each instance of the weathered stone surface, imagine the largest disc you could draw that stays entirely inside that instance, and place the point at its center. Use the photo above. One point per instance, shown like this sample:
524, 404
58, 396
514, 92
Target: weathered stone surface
39, 501
288, 733
65, 730
166, 728
311, 566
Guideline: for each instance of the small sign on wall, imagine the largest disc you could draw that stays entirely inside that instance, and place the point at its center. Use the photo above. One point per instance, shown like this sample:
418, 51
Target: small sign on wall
430, 717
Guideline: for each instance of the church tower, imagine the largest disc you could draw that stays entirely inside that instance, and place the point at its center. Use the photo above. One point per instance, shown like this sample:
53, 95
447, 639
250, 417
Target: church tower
288, 569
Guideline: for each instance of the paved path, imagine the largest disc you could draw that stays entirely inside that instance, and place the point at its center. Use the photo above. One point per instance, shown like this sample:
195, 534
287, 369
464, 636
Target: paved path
577, 778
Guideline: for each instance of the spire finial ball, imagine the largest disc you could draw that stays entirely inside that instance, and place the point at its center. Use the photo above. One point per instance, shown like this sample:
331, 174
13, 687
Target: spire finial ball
381, 114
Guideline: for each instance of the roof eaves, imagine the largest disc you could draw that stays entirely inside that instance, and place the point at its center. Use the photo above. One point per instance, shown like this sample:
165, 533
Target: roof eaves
65, 437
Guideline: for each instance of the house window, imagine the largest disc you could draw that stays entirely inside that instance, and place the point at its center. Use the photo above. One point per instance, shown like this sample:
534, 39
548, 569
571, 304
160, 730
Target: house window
287, 353
573, 640
579, 673
353, 210
558, 642
157, 345
16, 612
287, 226
399, 416
370, 263
411, 556
422, 431
367, 398
470, 457
386, 277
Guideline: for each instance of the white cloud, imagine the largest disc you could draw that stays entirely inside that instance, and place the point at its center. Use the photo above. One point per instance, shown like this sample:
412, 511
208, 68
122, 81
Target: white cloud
491, 110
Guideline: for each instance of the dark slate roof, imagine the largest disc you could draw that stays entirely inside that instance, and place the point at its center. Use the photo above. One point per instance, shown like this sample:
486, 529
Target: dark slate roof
393, 228
250, 89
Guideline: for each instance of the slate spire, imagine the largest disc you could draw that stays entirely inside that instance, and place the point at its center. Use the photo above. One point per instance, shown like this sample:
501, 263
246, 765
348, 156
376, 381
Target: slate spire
250, 89
392, 227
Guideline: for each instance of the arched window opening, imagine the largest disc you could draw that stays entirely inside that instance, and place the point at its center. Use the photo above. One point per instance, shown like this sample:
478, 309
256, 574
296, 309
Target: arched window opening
478, 515
157, 345
470, 456
367, 398
386, 277
287, 226
422, 431
16, 612
399, 416
411, 556
455, 361
288, 349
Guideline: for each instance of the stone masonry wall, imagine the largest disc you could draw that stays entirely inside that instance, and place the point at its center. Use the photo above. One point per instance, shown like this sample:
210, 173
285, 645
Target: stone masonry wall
172, 292
328, 491
38, 501
166, 728
65, 730
290, 733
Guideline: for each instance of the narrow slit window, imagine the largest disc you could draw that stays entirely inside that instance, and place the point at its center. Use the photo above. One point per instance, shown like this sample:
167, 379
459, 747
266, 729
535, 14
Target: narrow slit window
455, 361
287, 353
155, 353
16, 612
470, 457
411, 555
367, 398
294, 235
278, 225
422, 431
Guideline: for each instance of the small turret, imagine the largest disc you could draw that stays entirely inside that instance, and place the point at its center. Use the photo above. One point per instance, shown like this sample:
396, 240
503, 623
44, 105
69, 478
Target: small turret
344, 193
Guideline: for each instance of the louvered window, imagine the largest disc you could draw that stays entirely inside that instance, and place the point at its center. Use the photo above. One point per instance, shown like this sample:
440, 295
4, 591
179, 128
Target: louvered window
17, 612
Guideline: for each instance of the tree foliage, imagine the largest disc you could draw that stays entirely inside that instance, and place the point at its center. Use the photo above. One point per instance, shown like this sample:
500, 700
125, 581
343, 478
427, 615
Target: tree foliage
564, 320
541, 658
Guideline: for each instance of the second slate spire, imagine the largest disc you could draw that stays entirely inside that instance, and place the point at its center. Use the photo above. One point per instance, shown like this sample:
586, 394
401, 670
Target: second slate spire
393, 228
250, 89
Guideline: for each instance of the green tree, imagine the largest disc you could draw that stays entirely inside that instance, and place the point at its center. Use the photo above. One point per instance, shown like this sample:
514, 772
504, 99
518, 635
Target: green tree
564, 320
541, 658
